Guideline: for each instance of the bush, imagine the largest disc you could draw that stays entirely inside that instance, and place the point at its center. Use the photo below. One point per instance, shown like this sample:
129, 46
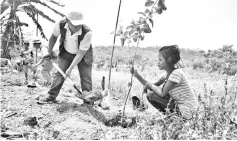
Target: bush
233, 70
197, 64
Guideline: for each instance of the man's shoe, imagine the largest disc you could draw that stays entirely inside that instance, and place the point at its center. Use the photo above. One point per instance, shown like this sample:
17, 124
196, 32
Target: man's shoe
45, 100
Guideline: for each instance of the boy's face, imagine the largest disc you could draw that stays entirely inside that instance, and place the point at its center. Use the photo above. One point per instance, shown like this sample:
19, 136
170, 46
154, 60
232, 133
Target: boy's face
162, 64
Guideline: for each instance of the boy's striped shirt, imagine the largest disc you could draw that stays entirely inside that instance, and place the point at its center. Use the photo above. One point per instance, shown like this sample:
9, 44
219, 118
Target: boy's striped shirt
183, 94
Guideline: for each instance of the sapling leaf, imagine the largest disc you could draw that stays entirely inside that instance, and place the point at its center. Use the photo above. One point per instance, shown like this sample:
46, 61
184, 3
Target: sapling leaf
143, 14
133, 22
159, 10
131, 32
146, 28
151, 21
122, 41
161, 4
135, 37
147, 11
126, 33
130, 26
149, 3
142, 20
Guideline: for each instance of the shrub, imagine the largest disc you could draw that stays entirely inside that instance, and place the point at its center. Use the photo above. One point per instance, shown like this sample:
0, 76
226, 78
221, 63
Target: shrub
197, 64
233, 70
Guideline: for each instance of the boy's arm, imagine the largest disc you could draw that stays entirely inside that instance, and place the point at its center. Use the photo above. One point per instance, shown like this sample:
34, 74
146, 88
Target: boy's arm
140, 79
159, 82
40, 62
168, 87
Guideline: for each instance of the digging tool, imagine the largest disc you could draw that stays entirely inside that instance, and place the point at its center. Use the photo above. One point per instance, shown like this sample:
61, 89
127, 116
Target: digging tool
79, 94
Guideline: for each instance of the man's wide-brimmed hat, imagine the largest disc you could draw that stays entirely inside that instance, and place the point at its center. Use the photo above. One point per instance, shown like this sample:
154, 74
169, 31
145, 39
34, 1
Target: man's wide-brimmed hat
75, 17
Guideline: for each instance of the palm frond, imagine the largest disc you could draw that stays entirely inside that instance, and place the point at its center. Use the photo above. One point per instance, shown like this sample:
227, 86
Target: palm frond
20, 31
31, 8
4, 5
57, 3
42, 14
44, 4
38, 25
2, 20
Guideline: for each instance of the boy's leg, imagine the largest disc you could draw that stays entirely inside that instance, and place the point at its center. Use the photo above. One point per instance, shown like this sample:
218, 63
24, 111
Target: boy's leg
85, 72
160, 102
33, 70
25, 70
46, 75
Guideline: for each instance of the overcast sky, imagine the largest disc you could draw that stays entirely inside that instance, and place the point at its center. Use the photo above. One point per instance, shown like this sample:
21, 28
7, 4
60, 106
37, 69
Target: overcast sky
203, 24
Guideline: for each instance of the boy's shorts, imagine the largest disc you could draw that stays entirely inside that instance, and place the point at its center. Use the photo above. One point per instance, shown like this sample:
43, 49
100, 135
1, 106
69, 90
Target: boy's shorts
28, 66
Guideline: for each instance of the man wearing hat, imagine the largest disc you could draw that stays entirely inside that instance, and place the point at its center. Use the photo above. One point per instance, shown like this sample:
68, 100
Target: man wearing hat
75, 50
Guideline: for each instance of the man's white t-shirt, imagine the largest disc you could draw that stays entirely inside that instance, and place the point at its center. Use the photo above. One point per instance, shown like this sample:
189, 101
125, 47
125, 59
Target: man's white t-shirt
71, 41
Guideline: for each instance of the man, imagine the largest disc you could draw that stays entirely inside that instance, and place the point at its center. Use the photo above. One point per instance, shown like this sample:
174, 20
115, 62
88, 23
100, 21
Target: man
75, 50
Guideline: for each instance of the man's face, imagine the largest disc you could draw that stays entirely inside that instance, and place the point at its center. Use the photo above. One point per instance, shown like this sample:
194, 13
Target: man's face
71, 26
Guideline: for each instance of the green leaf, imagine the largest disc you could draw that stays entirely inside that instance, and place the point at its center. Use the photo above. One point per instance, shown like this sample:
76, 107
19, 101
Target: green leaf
159, 10
131, 32
133, 22
143, 14
122, 41
147, 11
135, 37
149, 3
151, 21
126, 33
146, 28
142, 20
130, 26
161, 4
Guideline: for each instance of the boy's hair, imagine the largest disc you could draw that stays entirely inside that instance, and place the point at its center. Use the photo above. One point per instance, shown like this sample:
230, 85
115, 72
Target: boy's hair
171, 54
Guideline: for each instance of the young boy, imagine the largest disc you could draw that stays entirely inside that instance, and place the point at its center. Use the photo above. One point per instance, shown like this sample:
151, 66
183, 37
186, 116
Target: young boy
27, 61
47, 67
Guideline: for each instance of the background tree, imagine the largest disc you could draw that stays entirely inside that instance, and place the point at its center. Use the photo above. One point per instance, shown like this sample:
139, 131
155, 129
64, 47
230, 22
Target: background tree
11, 31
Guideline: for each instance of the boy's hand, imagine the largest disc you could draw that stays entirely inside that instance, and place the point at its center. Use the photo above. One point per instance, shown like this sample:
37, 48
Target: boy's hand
146, 87
34, 66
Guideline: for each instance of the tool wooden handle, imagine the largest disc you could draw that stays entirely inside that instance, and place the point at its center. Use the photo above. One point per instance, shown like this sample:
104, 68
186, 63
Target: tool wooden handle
64, 75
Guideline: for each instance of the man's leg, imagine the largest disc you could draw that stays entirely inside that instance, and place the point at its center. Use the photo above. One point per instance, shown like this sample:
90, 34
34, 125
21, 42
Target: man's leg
85, 72
58, 79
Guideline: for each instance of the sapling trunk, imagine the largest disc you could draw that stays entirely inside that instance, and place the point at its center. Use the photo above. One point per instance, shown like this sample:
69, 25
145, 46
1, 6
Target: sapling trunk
130, 87
112, 54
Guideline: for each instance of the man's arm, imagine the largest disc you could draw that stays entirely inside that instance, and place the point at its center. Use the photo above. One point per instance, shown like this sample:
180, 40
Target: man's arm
84, 46
52, 41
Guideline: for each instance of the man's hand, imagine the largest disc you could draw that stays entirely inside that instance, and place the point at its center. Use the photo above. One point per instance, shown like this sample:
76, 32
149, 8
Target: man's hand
144, 89
68, 72
48, 56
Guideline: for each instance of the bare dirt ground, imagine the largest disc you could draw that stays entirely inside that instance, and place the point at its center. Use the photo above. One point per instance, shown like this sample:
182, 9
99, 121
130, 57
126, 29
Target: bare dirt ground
68, 119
